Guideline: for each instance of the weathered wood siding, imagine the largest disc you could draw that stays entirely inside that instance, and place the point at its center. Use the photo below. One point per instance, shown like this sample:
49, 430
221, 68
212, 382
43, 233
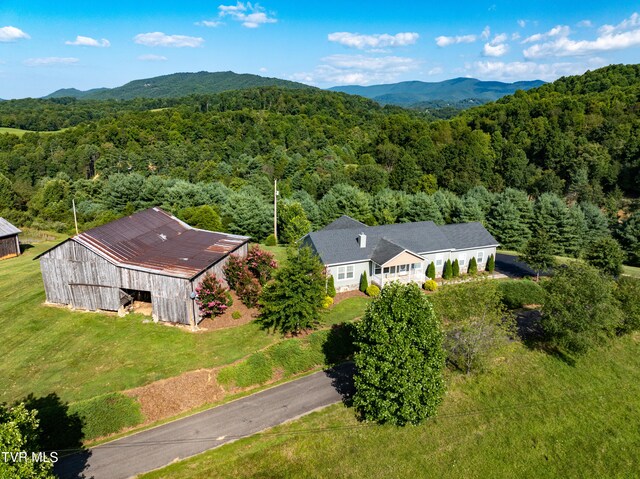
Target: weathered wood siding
9, 247
76, 276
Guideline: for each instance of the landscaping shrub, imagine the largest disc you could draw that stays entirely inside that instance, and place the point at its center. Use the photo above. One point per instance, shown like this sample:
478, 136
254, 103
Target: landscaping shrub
491, 264
233, 270
455, 268
248, 290
518, 293
327, 302
236, 315
473, 266
270, 241
213, 299
430, 285
107, 414
628, 294
261, 264
331, 287
373, 291
295, 356
447, 272
364, 282
431, 270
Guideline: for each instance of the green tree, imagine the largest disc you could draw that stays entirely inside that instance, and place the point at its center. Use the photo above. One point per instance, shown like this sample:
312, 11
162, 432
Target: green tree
473, 266
292, 302
628, 295
431, 270
344, 199
476, 324
7, 196
331, 287
455, 268
293, 221
447, 271
629, 236
202, 217
537, 255
19, 432
364, 282
399, 358
606, 255
507, 223
580, 310
491, 264
423, 207
249, 214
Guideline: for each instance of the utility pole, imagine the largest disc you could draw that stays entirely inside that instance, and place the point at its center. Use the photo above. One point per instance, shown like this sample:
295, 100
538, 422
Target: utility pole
75, 217
275, 209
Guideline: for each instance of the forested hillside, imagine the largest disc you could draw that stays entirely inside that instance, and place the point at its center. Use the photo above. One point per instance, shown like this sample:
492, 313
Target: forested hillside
178, 85
560, 158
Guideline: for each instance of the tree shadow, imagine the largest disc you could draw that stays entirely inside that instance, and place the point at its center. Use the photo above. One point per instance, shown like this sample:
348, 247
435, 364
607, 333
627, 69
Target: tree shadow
24, 247
530, 330
61, 431
338, 351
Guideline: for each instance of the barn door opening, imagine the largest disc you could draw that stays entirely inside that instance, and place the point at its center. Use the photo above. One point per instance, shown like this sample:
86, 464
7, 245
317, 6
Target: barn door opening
136, 301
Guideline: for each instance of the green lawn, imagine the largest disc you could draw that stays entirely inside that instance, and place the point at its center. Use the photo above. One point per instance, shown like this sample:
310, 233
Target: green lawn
628, 270
79, 355
531, 416
279, 252
19, 132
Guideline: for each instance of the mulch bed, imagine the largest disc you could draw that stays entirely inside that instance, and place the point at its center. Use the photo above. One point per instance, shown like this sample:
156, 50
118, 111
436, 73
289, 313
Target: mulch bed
346, 295
226, 320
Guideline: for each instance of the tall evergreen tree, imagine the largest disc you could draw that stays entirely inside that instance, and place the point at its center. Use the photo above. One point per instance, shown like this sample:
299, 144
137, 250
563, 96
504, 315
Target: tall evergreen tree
431, 270
506, 224
455, 268
536, 253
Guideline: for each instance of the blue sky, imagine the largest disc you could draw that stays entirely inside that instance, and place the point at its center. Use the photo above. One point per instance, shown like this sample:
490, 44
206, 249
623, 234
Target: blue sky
48, 45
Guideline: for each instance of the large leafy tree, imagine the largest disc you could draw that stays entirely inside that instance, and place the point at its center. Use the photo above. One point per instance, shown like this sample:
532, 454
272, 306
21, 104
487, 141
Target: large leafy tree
399, 358
606, 255
580, 310
292, 302
19, 432
537, 253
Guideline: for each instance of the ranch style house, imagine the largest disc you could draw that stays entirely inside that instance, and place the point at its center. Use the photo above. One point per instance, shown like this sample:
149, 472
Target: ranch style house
398, 252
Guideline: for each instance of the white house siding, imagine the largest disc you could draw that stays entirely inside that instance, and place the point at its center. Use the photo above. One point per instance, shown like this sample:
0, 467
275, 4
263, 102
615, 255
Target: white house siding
473, 253
349, 284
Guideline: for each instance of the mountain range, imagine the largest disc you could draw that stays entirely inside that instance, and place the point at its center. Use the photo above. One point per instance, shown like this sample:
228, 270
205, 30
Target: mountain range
410, 93
459, 92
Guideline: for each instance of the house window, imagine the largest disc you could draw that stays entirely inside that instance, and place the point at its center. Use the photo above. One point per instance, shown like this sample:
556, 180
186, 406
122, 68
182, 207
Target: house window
345, 272
480, 257
462, 259
403, 269
416, 267
377, 269
439, 260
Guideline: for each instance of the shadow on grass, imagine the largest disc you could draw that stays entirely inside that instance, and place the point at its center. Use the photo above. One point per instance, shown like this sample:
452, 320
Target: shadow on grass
25, 246
530, 331
60, 431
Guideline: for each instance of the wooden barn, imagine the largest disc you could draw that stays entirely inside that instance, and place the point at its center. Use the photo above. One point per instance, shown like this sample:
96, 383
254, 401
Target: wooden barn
9, 243
150, 257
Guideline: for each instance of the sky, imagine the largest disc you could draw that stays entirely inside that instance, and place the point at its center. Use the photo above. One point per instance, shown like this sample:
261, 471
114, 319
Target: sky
45, 45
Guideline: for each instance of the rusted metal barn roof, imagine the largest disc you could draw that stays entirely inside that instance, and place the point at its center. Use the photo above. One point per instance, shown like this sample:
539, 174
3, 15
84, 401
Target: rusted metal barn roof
153, 240
7, 229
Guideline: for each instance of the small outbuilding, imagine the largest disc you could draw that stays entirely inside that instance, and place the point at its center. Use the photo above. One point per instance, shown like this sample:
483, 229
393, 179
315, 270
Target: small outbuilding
9, 242
150, 257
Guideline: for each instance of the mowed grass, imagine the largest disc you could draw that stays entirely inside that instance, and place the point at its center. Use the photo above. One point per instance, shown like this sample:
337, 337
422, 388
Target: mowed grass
19, 132
79, 355
626, 269
531, 416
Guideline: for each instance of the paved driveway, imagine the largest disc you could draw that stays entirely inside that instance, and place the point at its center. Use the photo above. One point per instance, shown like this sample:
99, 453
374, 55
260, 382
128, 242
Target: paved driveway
157, 447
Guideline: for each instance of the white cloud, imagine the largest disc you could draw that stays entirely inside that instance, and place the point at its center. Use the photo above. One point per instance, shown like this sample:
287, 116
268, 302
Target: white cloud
496, 47
557, 31
375, 41
515, 36
263, 69
486, 33
565, 47
358, 69
209, 23
88, 42
522, 23
152, 58
435, 71
443, 41
630, 23
49, 61
11, 34
585, 24
159, 39
514, 71
250, 15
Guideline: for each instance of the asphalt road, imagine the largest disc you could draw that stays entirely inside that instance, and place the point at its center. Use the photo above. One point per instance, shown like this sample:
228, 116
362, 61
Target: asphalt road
157, 447
512, 267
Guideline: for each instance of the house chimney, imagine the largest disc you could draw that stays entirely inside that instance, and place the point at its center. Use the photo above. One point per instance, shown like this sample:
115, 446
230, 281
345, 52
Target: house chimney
362, 239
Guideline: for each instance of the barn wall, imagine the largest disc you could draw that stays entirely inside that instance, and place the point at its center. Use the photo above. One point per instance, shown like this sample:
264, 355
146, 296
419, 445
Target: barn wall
9, 247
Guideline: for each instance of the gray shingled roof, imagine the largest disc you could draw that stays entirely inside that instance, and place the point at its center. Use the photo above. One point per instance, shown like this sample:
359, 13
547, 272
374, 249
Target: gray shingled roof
340, 245
7, 229
344, 222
